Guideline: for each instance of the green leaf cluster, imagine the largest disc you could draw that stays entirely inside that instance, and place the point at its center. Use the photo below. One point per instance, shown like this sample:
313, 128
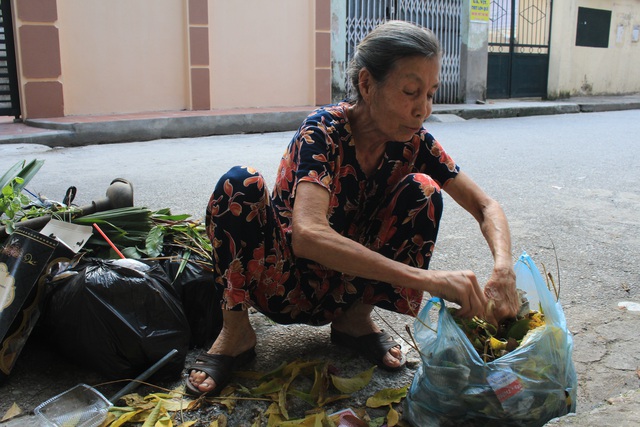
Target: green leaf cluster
12, 201
136, 231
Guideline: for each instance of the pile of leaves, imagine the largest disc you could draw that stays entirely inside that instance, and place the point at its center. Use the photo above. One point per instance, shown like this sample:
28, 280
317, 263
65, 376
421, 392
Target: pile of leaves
315, 383
136, 231
492, 342
309, 381
142, 233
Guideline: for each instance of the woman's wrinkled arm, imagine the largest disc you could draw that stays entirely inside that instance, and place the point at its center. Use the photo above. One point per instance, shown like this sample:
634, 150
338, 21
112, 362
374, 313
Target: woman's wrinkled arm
501, 287
314, 239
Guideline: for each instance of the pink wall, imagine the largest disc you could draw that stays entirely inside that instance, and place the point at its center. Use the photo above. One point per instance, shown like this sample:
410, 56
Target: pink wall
88, 57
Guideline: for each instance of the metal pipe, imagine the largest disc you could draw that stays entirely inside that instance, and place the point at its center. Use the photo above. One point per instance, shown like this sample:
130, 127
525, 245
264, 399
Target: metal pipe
143, 376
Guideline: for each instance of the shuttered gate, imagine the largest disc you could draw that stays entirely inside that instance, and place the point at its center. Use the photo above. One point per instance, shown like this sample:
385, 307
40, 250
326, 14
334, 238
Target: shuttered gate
518, 64
440, 16
9, 98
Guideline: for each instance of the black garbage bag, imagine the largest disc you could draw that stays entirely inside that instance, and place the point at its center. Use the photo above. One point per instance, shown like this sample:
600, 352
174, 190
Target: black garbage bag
115, 316
194, 281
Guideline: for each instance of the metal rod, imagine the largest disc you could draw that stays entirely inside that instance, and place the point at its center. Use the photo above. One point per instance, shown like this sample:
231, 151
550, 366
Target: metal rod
143, 376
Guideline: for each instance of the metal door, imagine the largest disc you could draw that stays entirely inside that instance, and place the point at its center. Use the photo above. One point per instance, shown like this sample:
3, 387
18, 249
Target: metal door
440, 16
9, 94
518, 48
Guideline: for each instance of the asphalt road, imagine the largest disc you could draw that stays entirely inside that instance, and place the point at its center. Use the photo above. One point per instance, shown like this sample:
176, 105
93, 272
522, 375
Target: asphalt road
568, 182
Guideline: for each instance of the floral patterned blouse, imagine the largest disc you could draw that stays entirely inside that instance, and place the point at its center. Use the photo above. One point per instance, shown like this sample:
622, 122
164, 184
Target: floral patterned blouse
322, 151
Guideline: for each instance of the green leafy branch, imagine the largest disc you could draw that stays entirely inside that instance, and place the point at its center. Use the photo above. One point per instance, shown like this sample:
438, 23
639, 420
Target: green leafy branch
12, 201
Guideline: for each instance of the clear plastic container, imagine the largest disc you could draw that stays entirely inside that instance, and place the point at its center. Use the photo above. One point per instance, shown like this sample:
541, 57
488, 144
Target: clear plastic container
80, 406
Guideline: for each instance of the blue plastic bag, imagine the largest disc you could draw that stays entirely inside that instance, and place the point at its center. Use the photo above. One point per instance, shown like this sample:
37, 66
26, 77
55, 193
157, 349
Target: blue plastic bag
526, 387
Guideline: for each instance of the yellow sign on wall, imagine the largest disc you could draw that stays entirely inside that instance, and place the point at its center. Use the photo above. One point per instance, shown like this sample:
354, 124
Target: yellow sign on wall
479, 10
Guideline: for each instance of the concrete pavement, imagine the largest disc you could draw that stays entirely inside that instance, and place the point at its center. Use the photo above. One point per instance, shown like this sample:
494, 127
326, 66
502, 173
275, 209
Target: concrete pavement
86, 130
620, 411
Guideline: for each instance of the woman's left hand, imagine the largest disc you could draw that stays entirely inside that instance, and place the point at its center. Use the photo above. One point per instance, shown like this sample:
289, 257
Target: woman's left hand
500, 290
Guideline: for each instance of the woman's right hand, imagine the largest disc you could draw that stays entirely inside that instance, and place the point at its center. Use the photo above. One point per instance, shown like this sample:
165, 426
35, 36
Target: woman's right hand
460, 287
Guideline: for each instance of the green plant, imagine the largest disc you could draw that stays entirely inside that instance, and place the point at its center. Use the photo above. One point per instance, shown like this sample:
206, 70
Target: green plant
12, 201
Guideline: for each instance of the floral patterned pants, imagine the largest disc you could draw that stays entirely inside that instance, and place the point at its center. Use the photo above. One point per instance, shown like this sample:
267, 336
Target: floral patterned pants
256, 266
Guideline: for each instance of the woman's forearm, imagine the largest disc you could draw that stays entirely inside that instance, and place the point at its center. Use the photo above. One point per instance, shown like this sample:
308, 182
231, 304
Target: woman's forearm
495, 229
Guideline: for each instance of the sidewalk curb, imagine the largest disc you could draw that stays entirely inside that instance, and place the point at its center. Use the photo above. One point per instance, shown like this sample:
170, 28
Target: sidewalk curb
71, 134
51, 138
504, 111
88, 130
602, 107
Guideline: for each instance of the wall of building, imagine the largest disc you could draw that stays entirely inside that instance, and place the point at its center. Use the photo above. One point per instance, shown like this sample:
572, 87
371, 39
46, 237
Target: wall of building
123, 56
262, 58
90, 57
578, 70
39, 67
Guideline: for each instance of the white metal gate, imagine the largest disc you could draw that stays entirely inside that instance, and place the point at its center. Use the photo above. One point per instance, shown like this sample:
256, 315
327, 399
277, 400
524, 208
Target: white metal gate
440, 16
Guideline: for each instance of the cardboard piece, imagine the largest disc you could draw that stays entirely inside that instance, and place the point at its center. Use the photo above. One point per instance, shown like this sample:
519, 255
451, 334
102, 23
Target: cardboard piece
74, 236
25, 259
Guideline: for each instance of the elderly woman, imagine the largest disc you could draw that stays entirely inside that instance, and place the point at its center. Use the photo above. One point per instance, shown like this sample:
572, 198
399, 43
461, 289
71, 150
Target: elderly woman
353, 218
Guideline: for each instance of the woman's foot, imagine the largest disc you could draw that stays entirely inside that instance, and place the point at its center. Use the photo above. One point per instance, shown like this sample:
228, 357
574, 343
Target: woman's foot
356, 322
237, 339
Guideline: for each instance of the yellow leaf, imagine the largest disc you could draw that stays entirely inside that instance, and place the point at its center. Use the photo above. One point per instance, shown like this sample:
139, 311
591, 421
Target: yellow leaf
320, 383
537, 319
387, 397
269, 387
496, 344
220, 421
13, 411
275, 420
153, 416
272, 409
119, 410
304, 396
293, 369
164, 421
195, 404
134, 399
282, 403
174, 404
260, 375
297, 366
229, 403
160, 396
313, 420
107, 421
392, 417
351, 385
331, 399
127, 417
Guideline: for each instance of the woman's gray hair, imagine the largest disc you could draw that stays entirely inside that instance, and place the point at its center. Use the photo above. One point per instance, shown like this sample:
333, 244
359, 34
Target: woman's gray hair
379, 51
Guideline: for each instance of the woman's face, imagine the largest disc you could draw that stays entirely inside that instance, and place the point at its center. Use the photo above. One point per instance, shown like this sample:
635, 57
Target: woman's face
402, 102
